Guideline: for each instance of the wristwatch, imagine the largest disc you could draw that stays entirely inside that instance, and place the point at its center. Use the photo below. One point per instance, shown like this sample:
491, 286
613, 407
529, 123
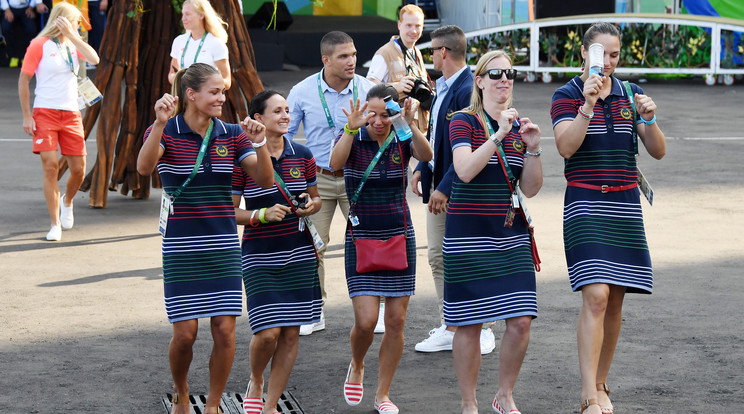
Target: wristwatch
495, 139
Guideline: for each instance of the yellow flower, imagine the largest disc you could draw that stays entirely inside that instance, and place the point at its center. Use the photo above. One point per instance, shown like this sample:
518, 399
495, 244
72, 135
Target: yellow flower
569, 46
741, 48
571, 34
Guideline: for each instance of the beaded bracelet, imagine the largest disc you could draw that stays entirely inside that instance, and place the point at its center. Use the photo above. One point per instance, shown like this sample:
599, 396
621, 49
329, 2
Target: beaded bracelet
585, 115
262, 216
534, 154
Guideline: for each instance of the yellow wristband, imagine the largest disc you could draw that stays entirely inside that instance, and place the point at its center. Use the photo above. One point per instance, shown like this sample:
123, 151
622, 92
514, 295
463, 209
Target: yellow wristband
350, 131
262, 216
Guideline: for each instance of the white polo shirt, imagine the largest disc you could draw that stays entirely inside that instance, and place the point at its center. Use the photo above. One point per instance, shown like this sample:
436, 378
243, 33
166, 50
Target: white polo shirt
56, 85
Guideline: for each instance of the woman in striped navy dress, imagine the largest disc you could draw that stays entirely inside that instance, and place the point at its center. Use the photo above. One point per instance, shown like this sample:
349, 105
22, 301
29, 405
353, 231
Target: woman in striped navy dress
382, 212
280, 268
201, 249
488, 269
603, 233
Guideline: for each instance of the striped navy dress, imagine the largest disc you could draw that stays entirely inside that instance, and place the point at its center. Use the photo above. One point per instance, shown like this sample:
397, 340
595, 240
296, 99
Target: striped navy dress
603, 234
280, 270
380, 209
201, 248
488, 269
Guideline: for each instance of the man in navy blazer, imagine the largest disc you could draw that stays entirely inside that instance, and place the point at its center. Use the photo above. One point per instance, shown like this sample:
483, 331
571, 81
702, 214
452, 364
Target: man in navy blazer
448, 51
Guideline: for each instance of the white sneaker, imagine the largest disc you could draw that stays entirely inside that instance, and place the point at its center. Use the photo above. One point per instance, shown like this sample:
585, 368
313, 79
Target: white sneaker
65, 214
55, 234
313, 327
380, 327
487, 341
440, 339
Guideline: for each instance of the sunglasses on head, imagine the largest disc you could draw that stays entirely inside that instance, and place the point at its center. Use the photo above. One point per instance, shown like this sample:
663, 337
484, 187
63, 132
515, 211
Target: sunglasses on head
496, 73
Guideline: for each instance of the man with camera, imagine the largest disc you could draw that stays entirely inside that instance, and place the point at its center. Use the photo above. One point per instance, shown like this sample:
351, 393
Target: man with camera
448, 52
400, 64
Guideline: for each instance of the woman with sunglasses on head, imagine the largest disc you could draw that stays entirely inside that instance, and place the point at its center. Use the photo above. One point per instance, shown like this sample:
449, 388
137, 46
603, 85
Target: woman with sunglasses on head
204, 41
56, 121
280, 267
195, 153
379, 212
488, 266
604, 238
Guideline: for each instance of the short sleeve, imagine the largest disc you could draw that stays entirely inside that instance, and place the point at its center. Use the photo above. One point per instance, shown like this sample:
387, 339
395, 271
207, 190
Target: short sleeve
564, 105
33, 56
243, 146
219, 50
461, 131
147, 135
378, 69
311, 170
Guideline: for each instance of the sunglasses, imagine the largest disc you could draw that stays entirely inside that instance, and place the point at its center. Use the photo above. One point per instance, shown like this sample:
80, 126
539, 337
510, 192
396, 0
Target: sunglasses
433, 49
496, 73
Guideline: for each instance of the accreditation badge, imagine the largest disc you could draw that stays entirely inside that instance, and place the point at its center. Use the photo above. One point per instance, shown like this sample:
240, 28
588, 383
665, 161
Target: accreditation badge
88, 92
166, 209
645, 187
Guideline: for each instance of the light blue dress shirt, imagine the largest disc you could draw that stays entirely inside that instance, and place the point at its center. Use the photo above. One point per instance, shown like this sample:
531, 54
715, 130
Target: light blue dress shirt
305, 106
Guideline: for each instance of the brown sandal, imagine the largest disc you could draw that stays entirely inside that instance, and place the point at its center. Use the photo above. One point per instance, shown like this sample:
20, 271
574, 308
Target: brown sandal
586, 403
174, 401
602, 386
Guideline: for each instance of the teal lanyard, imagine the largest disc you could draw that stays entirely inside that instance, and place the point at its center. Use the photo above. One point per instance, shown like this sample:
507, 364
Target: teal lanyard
199, 159
183, 54
69, 55
371, 166
327, 111
500, 148
632, 105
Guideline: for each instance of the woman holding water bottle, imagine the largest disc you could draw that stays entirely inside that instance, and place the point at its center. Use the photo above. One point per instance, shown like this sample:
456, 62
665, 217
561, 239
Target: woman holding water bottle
375, 155
595, 119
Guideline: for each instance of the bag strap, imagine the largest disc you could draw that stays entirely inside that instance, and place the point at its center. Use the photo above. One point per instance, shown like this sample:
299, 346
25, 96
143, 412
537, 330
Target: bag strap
284, 191
632, 105
512, 182
199, 158
371, 167
405, 204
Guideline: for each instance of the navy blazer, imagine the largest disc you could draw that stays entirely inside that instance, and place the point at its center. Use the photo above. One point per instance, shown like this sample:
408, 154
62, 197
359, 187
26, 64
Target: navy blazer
458, 97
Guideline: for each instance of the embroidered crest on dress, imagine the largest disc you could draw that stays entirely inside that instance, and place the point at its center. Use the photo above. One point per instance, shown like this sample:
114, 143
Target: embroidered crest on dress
625, 113
450, 114
518, 145
294, 172
222, 151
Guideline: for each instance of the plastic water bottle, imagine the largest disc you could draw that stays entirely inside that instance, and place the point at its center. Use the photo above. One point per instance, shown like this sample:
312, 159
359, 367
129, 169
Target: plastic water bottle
596, 59
401, 126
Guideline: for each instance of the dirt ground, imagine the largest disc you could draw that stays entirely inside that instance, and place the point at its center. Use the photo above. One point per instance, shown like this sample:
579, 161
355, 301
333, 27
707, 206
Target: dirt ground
84, 327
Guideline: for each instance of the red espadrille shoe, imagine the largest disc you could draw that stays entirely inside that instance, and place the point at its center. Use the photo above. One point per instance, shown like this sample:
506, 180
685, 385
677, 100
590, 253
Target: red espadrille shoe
252, 405
386, 407
499, 409
353, 392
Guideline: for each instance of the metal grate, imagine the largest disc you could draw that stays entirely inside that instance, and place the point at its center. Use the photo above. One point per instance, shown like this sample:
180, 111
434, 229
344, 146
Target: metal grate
232, 403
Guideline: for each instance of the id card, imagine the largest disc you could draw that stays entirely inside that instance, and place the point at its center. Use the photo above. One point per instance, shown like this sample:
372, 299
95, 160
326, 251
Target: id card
509, 220
353, 219
645, 188
88, 91
317, 241
166, 209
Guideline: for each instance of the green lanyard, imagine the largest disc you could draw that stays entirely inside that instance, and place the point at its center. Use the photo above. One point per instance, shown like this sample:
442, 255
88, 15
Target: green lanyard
632, 105
197, 50
500, 148
371, 166
199, 159
69, 55
327, 111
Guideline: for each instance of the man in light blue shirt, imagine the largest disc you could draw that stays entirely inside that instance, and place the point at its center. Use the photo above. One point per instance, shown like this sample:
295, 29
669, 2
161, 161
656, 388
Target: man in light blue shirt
318, 102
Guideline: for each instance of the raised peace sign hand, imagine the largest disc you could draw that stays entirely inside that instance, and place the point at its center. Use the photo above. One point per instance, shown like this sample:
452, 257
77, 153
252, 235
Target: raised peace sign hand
356, 118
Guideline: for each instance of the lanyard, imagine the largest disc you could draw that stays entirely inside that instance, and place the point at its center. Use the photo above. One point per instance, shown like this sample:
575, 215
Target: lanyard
199, 159
327, 111
500, 148
632, 104
197, 50
371, 166
69, 55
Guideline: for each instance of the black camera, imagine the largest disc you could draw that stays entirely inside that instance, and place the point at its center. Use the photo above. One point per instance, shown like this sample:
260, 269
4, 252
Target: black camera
299, 202
422, 93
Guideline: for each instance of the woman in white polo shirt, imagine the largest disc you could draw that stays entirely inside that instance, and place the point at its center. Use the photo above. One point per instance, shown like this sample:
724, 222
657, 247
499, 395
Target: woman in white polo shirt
204, 41
56, 121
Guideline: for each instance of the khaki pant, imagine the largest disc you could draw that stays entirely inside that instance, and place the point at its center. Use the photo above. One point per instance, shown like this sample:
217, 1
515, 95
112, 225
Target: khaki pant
434, 239
332, 192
